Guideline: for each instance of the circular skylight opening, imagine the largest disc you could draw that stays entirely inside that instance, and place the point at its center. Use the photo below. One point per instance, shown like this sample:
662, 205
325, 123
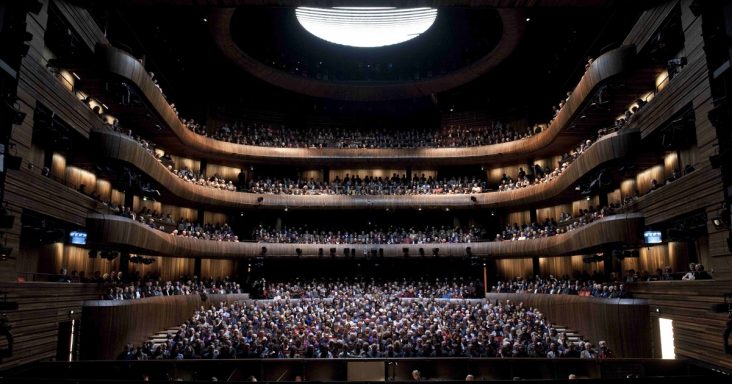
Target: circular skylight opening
366, 26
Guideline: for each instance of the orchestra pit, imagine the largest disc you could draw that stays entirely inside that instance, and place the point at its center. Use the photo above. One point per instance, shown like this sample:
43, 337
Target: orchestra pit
365, 191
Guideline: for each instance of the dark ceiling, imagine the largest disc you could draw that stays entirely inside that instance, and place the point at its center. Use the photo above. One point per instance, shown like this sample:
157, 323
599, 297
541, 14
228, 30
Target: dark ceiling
178, 47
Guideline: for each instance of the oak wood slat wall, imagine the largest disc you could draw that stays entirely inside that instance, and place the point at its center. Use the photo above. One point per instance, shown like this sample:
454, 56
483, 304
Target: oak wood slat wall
648, 23
82, 22
697, 329
596, 318
116, 230
124, 65
568, 266
110, 325
124, 148
41, 306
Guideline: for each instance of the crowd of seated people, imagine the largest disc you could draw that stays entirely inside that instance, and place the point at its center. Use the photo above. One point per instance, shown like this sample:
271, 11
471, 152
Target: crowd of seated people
215, 232
543, 175
564, 286
215, 181
386, 235
550, 227
279, 135
181, 228
117, 286
406, 288
355, 185
151, 286
372, 325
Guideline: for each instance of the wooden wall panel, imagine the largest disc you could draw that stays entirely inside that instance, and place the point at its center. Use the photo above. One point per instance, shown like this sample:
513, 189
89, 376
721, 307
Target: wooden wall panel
510, 268
314, 174
596, 318
148, 269
138, 204
172, 268
673, 254
180, 163
82, 22
215, 218
110, 325
222, 171
58, 166
697, 329
217, 268
628, 188
362, 172
645, 178
553, 212
520, 218
568, 266
41, 306
585, 204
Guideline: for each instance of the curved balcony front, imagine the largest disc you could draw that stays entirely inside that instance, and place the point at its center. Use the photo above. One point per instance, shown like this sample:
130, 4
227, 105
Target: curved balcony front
123, 148
121, 232
609, 65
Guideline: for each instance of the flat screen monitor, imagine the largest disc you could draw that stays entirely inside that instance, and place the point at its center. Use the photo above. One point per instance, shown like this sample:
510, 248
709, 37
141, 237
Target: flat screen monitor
653, 237
77, 237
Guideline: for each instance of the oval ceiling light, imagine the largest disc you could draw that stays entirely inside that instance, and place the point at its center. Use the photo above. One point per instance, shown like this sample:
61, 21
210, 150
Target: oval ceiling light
366, 26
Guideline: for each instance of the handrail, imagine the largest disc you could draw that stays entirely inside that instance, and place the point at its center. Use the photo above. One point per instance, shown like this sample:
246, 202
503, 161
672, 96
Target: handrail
605, 67
137, 237
126, 149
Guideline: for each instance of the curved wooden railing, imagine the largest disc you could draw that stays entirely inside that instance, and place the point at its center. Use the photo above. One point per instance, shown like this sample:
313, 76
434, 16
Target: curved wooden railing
623, 323
109, 230
126, 149
124, 65
110, 324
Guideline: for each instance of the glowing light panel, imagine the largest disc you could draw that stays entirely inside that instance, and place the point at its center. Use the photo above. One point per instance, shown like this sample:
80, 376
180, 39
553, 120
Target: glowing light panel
366, 26
668, 350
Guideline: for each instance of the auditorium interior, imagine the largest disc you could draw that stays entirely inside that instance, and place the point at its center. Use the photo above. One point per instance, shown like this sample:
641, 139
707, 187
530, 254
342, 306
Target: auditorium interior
365, 191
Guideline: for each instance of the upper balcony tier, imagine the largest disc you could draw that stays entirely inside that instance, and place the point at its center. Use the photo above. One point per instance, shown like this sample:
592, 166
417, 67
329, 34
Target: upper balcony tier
618, 66
124, 148
121, 232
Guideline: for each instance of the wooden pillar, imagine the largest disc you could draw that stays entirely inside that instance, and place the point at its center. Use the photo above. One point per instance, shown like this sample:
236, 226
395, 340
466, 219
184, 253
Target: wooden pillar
197, 267
204, 165
485, 279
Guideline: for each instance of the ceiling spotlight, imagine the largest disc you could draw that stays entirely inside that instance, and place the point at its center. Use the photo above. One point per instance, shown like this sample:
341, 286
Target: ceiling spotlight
528, 19
286, 209
205, 20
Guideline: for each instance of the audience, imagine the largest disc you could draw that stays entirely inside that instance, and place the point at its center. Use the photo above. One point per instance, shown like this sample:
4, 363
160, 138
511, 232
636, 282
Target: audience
373, 325
388, 235
139, 288
406, 288
182, 228
550, 227
355, 185
327, 136
554, 286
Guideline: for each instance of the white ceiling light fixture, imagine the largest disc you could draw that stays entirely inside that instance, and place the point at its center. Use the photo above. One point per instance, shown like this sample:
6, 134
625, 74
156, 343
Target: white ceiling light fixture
366, 27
